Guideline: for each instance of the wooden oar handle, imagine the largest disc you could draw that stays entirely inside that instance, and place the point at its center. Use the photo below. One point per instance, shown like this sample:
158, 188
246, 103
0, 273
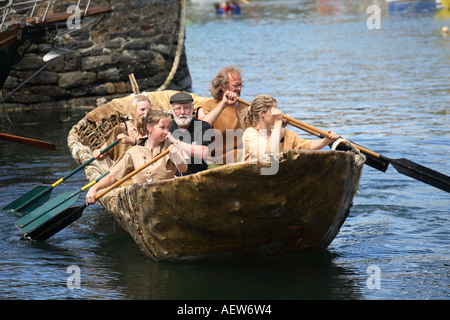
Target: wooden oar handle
297, 123
315, 131
128, 176
28, 141
83, 165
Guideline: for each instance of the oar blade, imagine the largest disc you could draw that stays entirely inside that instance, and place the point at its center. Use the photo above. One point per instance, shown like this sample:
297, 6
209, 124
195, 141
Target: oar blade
55, 224
30, 200
47, 211
421, 173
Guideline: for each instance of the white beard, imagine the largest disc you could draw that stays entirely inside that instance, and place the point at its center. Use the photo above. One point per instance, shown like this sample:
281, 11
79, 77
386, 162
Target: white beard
184, 120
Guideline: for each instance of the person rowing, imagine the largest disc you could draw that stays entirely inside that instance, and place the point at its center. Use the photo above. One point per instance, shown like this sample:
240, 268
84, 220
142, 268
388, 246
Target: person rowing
155, 125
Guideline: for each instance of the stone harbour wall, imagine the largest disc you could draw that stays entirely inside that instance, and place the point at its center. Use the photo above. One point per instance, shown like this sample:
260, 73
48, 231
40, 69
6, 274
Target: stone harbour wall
137, 36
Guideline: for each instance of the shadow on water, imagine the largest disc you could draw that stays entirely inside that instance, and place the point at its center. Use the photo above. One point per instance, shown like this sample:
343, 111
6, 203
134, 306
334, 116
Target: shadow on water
112, 267
309, 275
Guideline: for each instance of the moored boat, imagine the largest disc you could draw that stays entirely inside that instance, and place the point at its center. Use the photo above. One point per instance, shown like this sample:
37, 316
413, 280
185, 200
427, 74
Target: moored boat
412, 5
229, 210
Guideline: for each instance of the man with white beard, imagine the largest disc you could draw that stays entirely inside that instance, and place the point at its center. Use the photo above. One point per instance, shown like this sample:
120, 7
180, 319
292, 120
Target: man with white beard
192, 135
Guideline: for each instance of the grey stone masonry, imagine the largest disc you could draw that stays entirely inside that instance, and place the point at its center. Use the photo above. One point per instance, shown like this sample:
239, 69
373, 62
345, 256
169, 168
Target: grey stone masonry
137, 36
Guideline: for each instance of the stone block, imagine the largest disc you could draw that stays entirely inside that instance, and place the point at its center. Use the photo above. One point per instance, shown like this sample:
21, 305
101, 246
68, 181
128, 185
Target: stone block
110, 88
120, 87
111, 75
96, 63
76, 79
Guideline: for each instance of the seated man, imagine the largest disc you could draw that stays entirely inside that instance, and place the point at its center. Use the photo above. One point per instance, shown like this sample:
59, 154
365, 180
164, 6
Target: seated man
190, 134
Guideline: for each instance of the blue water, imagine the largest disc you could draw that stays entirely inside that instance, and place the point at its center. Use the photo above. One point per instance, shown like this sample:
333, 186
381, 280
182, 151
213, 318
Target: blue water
387, 89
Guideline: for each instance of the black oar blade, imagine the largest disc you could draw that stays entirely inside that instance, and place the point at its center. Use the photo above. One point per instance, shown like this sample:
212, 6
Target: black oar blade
30, 200
421, 173
55, 224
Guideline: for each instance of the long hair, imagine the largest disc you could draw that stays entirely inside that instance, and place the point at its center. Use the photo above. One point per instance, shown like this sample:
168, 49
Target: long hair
151, 118
250, 115
135, 100
221, 81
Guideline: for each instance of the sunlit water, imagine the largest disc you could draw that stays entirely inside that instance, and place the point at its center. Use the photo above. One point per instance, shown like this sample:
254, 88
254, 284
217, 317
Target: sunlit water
385, 89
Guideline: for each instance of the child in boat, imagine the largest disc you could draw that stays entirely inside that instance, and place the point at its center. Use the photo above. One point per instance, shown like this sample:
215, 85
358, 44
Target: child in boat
264, 133
126, 132
155, 124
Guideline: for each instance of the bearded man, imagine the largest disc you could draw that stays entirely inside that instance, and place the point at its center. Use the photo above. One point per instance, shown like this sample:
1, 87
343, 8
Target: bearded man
224, 111
192, 135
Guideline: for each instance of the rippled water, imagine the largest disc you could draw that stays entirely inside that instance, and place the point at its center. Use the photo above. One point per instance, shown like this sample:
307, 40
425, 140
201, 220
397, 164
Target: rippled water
385, 89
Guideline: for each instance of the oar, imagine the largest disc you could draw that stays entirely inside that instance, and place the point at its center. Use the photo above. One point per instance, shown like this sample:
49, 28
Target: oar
40, 194
379, 162
60, 215
402, 165
47, 211
372, 158
28, 141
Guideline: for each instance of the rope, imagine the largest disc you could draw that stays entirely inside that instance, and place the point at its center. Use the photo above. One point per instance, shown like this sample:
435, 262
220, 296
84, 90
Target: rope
359, 157
176, 61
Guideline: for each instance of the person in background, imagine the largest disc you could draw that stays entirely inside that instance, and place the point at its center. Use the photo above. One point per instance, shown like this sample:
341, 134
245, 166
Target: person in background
126, 132
235, 7
190, 134
219, 9
265, 135
155, 125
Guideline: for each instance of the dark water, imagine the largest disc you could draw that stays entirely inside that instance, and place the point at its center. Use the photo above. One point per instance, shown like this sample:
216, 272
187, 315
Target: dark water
385, 89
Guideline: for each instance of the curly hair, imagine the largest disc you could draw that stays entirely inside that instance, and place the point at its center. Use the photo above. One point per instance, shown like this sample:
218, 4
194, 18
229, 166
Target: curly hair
221, 81
250, 115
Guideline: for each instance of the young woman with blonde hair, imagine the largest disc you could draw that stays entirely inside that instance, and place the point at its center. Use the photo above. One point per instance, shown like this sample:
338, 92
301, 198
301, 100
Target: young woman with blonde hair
126, 132
265, 135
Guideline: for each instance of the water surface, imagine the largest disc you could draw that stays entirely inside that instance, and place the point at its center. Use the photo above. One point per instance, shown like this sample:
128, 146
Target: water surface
385, 89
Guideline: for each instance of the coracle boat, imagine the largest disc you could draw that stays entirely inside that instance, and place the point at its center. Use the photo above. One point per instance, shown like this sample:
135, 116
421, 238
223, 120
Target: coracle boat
229, 210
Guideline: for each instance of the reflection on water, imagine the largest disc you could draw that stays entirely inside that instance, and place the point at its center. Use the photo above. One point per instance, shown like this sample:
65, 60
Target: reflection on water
386, 89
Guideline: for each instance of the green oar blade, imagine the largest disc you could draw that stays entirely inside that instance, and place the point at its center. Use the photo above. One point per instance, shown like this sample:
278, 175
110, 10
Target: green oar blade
40, 194
47, 211
30, 200
55, 224
54, 215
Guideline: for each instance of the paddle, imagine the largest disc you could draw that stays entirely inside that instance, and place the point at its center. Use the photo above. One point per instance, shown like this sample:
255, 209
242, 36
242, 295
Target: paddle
40, 194
39, 216
28, 141
379, 162
56, 216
